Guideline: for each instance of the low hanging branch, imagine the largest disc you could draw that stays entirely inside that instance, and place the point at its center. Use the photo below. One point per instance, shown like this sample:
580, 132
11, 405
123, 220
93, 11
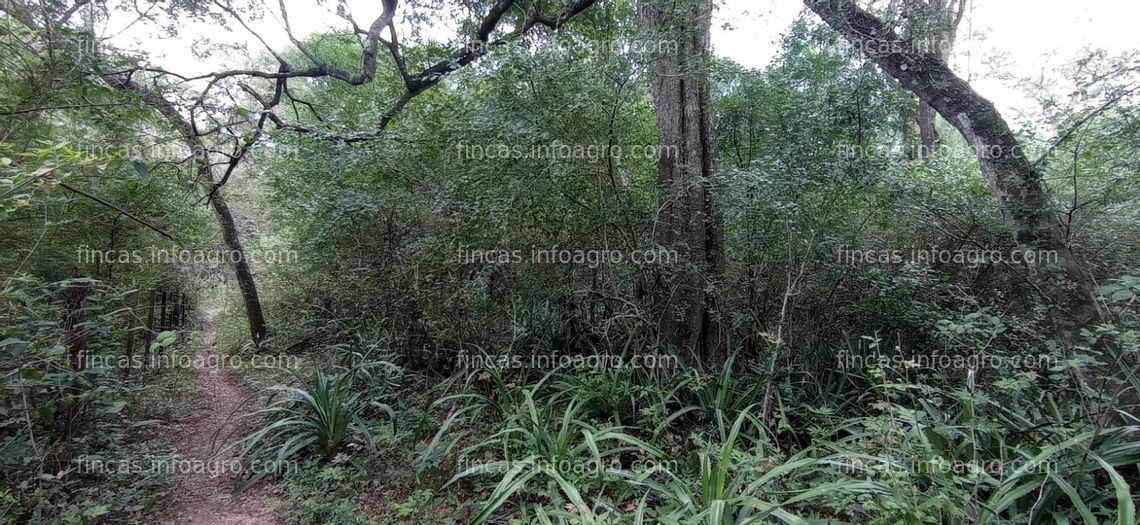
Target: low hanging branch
194, 139
125, 213
414, 84
56, 108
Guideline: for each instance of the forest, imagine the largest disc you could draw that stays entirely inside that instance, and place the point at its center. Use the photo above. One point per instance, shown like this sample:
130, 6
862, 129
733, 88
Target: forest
587, 262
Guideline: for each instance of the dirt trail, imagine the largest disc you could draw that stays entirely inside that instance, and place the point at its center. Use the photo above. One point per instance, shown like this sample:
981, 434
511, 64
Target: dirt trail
202, 497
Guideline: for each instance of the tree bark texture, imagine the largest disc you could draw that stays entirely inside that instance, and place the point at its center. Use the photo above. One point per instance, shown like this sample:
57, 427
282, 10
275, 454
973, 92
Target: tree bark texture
685, 220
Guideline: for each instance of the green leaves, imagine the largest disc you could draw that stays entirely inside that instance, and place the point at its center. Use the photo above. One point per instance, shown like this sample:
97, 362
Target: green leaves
320, 419
1122, 290
1126, 507
141, 168
13, 346
164, 340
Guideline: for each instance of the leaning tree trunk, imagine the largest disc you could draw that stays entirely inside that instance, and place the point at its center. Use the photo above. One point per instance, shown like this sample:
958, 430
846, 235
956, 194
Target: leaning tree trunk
686, 221
1022, 196
242, 271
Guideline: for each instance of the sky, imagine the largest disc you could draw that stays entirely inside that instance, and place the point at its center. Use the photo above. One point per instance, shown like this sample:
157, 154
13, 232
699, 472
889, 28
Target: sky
1036, 36
1027, 29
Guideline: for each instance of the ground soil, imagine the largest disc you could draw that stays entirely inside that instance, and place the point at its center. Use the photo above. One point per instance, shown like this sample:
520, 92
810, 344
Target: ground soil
207, 498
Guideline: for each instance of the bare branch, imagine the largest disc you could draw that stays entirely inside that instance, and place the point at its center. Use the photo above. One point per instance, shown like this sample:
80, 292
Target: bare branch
1064, 136
56, 108
432, 75
126, 213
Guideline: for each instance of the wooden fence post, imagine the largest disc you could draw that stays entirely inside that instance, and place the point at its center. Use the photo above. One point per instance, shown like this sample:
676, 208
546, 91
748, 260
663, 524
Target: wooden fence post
178, 321
149, 334
132, 322
75, 332
75, 341
162, 319
187, 308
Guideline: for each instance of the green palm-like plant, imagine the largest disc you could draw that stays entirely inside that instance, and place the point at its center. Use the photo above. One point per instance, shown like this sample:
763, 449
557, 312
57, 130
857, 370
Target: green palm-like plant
321, 419
497, 405
728, 496
723, 397
544, 450
1048, 468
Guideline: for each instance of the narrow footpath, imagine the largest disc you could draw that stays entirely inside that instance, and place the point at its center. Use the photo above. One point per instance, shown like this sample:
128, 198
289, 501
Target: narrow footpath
204, 498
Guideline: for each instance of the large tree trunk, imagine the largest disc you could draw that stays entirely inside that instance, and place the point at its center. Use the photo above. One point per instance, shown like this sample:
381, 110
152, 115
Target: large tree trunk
686, 221
1023, 198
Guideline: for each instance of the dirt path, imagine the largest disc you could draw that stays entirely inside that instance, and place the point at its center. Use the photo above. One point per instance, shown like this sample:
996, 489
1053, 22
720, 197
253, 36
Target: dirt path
206, 498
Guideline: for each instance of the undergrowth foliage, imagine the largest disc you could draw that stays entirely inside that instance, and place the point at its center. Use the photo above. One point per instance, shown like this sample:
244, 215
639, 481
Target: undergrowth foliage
59, 417
323, 417
856, 382
900, 393
919, 453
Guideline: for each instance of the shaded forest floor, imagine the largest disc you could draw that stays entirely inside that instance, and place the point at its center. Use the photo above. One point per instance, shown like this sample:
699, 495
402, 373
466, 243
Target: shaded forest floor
208, 497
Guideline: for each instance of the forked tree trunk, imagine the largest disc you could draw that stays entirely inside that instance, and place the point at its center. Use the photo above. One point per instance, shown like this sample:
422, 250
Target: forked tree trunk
686, 221
935, 23
1022, 196
927, 132
242, 271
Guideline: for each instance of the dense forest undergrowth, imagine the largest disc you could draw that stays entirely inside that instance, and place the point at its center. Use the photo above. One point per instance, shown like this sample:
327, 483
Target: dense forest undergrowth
565, 265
